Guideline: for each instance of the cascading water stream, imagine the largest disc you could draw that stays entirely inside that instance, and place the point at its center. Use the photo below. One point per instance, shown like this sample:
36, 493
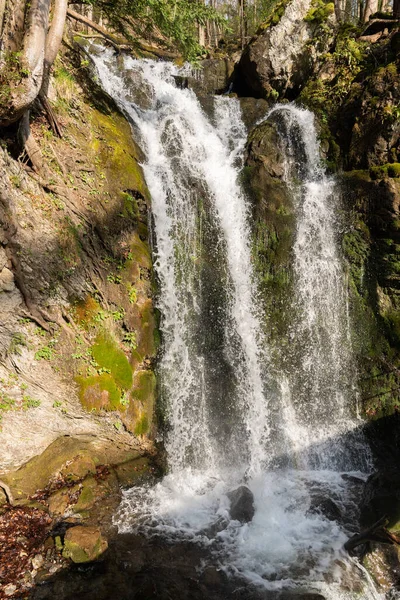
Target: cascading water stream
319, 397
216, 383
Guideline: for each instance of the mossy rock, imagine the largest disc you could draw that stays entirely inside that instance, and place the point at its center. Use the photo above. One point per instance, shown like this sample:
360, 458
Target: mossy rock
99, 392
84, 544
86, 311
139, 416
393, 170
109, 356
37, 472
60, 501
117, 153
79, 467
148, 334
140, 253
132, 471
93, 490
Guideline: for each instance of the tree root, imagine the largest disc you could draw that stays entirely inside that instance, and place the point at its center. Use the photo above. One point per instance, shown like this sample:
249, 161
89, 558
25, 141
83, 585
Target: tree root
29, 143
7, 491
50, 115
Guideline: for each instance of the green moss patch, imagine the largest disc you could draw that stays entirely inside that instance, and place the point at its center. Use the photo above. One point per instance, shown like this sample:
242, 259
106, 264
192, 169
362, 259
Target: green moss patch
276, 10
319, 11
99, 392
118, 156
109, 356
387, 170
86, 311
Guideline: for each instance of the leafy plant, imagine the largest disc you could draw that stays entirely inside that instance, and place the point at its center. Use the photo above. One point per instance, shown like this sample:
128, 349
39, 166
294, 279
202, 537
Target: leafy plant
18, 339
130, 339
114, 278
45, 353
29, 402
132, 293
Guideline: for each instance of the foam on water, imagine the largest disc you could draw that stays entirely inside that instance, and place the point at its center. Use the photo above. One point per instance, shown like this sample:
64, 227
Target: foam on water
214, 368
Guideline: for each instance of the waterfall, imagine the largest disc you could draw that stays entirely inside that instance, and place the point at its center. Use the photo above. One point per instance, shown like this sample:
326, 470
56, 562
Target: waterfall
319, 398
217, 384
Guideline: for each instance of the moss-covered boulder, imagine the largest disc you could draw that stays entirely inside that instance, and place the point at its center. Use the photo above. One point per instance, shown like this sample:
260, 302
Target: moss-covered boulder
371, 244
43, 472
84, 544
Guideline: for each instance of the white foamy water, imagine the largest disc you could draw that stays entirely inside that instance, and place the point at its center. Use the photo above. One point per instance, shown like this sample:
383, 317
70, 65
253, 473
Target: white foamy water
214, 369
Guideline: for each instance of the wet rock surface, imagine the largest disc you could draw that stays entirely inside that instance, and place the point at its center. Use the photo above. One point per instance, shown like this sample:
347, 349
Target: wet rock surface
242, 504
134, 568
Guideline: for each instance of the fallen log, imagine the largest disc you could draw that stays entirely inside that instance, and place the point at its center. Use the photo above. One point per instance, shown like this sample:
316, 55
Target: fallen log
376, 533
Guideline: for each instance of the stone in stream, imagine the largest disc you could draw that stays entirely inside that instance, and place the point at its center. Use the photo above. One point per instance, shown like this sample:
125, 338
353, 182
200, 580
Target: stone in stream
83, 544
325, 506
242, 504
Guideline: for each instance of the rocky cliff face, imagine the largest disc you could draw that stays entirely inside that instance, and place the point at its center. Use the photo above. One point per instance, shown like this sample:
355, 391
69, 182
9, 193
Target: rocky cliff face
278, 61
78, 333
351, 84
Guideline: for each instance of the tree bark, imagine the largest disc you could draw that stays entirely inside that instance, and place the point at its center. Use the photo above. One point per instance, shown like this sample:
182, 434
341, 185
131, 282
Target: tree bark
371, 7
13, 27
54, 37
53, 43
81, 19
32, 63
2, 10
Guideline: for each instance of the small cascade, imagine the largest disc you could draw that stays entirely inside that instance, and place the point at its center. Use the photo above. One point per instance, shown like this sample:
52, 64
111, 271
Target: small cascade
217, 387
318, 398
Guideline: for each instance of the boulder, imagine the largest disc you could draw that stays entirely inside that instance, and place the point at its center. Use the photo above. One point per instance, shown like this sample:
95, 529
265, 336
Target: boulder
278, 61
213, 77
381, 497
84, 544
326, 507
242, 504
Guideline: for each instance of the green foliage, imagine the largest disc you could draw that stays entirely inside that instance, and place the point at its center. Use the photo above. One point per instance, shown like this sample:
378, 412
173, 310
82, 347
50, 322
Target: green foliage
114, 278
132, 293
44, 353
166, 21
387, 170
18, 339
12, 72
130, 340
270, 12
349, 57
29, 402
